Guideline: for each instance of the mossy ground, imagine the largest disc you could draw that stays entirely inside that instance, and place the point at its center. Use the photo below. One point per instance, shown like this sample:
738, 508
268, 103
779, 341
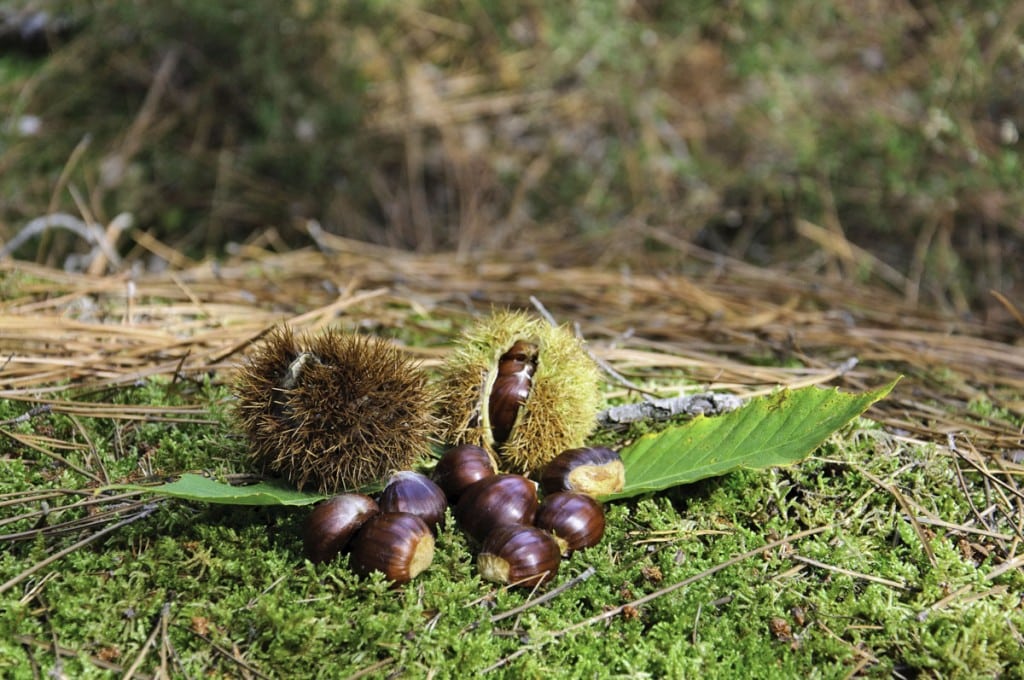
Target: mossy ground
225, 591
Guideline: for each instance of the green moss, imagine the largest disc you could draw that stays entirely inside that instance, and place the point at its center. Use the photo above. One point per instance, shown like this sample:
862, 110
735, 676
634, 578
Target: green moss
235, 579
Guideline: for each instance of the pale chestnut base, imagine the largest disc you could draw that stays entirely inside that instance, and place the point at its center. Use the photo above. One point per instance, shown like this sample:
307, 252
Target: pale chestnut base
493, 568
422, 556
598, 480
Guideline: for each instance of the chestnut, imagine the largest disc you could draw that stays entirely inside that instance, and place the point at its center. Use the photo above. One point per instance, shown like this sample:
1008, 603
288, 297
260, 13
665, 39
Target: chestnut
398, 544
495, 501
333, 522
461, 466
511, 388
519, 555
595, 471
575, 519
416, 494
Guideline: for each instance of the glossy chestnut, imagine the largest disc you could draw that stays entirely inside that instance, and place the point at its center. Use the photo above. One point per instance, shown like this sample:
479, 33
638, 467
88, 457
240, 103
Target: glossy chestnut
576, 520
496, 501
461, 466
511, 388
519, 555
334, 522
398, 544
416, 494
595, 471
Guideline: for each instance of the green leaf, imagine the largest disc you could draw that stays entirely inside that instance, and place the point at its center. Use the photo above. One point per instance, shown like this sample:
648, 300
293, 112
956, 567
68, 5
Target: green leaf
780, 429
195, 487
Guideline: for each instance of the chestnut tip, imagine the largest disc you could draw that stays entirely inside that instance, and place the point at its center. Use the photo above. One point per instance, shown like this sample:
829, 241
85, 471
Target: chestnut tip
495, 501
576, 520
334, 522
417, 494
461, 466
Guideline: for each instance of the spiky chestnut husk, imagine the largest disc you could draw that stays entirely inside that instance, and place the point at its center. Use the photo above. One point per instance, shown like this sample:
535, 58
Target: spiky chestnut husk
332, 411
562, 400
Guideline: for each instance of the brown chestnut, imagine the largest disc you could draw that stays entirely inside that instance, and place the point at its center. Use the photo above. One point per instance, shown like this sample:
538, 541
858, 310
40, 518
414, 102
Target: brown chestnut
333, 522
398, 544
461, 466
519, 555
496, 501
595, 471
511, 388
416, 494
575, 519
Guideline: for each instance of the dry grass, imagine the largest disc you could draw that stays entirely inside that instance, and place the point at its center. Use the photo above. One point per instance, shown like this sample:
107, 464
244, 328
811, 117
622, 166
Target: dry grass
886, 137
733, 327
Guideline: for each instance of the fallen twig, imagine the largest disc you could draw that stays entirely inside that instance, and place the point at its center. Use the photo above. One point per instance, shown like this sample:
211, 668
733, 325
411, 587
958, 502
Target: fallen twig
849, 572
146, 511
615, 611
148, 644
605, 366
60, 651
704, 403
41, 409
550, 595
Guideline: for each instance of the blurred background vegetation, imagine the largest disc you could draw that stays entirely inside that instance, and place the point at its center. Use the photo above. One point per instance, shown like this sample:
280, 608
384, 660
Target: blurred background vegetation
872, 140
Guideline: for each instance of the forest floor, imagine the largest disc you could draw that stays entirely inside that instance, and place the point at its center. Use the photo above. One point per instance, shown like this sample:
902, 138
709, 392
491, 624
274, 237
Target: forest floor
895, 550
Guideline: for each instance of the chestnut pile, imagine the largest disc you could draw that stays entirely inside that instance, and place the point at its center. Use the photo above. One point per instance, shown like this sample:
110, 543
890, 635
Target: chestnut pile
522, 538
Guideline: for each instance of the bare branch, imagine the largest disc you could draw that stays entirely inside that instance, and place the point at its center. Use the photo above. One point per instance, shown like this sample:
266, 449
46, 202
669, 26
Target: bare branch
704, 403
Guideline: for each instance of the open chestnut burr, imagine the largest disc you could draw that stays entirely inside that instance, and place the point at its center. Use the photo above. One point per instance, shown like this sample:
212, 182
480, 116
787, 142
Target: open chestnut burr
519, 388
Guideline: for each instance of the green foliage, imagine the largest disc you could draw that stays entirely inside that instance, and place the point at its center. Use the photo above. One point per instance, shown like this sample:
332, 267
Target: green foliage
195, 487
768, 431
